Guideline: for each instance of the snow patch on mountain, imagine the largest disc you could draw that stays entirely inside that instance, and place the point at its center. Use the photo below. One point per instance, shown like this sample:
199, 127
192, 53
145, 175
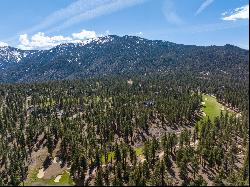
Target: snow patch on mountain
10, 55
97, 40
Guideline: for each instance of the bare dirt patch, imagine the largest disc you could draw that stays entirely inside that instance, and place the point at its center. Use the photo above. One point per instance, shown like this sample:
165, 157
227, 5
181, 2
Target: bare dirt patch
37, 158
54, 170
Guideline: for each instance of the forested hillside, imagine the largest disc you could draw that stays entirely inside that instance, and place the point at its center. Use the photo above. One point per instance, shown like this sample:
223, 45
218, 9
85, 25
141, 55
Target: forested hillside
124, 111
118, 130
115, 55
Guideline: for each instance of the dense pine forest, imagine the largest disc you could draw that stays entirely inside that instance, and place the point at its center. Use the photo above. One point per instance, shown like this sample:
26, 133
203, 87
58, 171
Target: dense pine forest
125, 130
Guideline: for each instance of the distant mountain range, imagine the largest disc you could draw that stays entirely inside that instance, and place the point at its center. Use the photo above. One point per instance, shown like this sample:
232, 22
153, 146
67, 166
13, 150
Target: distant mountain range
115, 55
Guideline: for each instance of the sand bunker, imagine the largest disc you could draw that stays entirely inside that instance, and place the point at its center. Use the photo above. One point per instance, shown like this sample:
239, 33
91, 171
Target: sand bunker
203, 113
40, 173
205, 99
54, 160
203, 103
57, 179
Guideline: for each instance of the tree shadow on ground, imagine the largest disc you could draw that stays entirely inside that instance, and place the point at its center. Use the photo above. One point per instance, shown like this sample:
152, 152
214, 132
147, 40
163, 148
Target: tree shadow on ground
47, 162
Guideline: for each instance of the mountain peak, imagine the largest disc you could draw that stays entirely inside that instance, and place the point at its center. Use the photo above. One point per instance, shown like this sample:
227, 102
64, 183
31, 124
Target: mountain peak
112, 54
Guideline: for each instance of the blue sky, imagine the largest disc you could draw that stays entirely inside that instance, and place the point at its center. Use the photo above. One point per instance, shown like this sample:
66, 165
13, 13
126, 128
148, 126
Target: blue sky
42, 24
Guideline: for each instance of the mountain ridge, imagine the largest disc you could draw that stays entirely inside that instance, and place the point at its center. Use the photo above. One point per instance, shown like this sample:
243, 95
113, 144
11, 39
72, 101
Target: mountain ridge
112, 54
130, 36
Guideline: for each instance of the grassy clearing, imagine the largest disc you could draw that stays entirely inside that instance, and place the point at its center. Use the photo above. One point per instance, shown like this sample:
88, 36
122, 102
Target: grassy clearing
212, 107
66, 179
32, 179
138, 151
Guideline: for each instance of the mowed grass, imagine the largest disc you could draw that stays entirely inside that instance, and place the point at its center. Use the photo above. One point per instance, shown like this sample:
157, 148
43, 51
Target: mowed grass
32, 179
138, 151
66, 179
212, 107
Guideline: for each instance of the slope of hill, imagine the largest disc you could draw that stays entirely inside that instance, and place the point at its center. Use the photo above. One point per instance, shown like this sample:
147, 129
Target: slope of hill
115, 55
140, 116
11, 56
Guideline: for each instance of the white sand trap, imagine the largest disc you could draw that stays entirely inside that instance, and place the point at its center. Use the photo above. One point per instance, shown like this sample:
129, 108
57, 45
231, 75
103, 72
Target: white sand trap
203, 113
203, 103
40, 173
205, 99
57, 179
54, 160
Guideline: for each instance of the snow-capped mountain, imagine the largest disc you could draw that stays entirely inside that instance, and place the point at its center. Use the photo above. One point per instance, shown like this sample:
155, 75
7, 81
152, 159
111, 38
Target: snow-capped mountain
112, 55
10, 56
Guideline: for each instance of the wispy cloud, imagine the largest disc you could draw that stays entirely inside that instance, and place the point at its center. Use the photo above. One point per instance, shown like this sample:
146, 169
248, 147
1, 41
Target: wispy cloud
65, 13
101, 9
42, 41
80, 10
170, 13
77, 11
199, 28
194, 34
236, 14
203, 6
